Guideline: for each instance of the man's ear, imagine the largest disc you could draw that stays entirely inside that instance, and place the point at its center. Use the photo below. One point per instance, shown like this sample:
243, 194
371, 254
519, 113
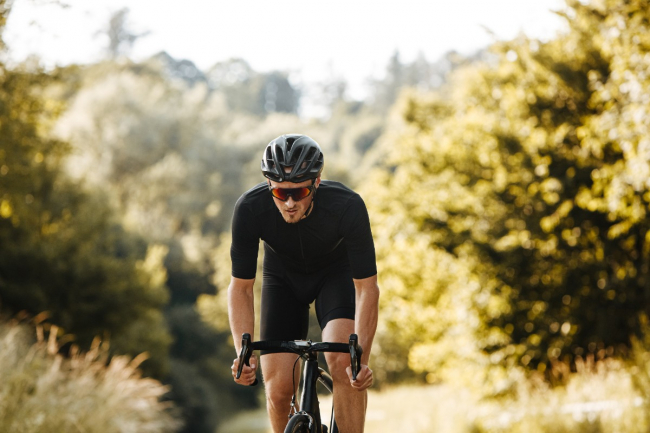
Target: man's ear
317, 181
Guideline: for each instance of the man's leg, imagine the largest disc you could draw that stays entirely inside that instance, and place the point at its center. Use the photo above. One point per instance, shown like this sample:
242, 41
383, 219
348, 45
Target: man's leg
349, 404
283, 317
276, 369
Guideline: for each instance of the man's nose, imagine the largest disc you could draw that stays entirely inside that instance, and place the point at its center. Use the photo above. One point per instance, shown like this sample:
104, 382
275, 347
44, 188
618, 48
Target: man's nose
290, 202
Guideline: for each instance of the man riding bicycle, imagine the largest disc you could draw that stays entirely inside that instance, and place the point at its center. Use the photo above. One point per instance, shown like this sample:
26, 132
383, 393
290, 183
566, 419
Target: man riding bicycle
318, 251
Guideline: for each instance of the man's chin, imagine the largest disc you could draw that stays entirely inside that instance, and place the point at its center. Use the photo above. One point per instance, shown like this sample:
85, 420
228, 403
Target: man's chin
291, 218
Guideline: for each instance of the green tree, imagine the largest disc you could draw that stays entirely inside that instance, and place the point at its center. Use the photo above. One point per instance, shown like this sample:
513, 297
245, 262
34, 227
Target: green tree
514, 202
151, 140
62, 249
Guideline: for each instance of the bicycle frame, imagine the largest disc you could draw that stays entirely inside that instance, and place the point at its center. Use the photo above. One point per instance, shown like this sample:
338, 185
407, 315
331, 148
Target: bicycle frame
309, 403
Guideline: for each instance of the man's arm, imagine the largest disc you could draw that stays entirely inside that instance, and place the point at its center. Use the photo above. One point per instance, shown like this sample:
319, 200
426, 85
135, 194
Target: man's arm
365, 325
241, 314
366, 314
241, 310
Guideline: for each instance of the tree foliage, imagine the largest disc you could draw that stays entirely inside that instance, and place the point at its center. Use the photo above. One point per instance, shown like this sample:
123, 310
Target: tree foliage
165, 149
511, 213
62, 249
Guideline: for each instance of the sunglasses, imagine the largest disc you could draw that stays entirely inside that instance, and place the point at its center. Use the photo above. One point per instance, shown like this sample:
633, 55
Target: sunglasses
297, 194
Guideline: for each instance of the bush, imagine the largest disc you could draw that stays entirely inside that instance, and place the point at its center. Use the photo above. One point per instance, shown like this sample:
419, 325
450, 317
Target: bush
43, 391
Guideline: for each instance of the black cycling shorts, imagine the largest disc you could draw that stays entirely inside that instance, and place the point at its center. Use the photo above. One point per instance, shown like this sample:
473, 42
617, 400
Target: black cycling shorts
286, 298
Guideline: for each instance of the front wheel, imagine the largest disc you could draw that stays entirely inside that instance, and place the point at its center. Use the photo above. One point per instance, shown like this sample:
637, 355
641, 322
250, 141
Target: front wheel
298, 423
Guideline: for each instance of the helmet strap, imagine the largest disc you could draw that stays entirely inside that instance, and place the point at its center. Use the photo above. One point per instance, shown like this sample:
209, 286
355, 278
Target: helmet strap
311, 207
313, 197
313, 183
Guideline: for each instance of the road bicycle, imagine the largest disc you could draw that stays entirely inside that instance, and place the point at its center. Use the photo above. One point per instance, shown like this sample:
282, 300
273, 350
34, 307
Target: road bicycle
308, 419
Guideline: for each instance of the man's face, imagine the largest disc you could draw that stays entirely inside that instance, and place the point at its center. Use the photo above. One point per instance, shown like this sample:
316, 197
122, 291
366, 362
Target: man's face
293, 211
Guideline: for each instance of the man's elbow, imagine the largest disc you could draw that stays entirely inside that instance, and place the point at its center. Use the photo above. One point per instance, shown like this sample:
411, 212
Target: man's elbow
375, 293
240, 286
373, 290
368, 287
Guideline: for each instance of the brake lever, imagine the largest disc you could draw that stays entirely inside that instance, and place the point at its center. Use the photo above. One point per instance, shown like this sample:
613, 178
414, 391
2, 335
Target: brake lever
245, 355
355, 355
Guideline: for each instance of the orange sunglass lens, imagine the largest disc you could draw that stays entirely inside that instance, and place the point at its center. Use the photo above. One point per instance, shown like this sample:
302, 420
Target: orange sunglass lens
295, 193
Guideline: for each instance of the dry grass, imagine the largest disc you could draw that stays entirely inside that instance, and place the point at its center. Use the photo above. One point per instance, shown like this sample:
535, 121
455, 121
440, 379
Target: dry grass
600, 397
42, 391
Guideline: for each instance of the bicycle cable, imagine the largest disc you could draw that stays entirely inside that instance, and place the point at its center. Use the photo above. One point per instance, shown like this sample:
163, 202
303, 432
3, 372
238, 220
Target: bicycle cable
293, 379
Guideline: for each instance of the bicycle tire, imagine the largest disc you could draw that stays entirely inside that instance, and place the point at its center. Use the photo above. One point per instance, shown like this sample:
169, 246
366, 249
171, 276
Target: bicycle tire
298, 423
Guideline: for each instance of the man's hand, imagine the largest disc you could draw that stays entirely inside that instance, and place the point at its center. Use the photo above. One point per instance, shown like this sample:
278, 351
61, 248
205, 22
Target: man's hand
248, 374
364, 378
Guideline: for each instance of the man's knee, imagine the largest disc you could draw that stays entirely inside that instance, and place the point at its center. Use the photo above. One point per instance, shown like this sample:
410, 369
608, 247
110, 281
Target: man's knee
337, 364
278, 392
278, 383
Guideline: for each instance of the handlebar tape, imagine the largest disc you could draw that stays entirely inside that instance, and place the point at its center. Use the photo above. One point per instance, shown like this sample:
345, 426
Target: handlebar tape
355, 355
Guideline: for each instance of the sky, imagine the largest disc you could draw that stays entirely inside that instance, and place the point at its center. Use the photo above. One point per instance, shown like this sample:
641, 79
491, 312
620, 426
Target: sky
312, 40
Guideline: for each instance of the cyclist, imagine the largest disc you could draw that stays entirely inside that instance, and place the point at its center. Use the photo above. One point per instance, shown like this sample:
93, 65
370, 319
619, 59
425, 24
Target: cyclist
315, 250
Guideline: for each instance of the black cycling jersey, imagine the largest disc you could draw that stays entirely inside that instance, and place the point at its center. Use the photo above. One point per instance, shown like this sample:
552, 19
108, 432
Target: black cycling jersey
337, 229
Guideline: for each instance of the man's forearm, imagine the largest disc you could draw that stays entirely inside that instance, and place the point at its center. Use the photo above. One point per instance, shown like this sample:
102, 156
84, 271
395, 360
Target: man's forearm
366, 316
241, 311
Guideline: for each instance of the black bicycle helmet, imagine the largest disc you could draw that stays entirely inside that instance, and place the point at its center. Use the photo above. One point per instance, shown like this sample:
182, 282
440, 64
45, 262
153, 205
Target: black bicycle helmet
298, 152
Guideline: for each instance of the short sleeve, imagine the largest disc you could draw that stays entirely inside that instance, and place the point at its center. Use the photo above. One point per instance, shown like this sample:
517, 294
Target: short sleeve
245, 242
357, 235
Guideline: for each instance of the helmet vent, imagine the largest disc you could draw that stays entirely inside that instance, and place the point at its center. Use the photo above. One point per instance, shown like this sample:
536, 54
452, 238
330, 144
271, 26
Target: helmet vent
290, 141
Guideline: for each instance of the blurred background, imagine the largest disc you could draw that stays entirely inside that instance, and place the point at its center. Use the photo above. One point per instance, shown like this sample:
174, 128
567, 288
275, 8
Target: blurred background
502, 149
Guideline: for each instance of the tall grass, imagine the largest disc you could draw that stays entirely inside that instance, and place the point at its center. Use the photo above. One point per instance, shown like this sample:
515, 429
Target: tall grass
42, 391
599, 397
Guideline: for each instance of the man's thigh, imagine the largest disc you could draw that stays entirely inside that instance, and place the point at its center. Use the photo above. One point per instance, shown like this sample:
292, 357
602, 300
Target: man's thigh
338, 330
284, 316
336, 299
